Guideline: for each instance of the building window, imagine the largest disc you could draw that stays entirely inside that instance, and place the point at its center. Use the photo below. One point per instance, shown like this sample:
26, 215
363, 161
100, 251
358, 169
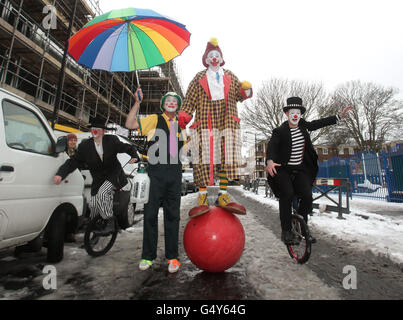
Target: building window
341, 151
351, 151
325, 151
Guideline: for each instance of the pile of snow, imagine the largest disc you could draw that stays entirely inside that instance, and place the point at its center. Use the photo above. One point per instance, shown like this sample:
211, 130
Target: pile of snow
367, 184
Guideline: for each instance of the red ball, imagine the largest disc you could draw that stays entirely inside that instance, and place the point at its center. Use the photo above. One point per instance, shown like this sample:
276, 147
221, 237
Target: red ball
215, 240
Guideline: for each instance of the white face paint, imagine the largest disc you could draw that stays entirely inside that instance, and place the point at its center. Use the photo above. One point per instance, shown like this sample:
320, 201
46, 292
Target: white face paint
214, 59
170, 104
97, 132
294, 115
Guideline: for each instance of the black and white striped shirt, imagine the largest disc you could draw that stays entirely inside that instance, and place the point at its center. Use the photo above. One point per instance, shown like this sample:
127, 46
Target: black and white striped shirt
297, 149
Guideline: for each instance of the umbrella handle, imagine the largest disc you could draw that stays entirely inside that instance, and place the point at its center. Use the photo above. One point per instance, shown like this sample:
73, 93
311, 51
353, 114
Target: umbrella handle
138, 86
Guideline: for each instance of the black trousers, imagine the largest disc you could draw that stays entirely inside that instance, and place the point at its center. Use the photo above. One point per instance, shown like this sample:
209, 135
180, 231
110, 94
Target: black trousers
293, 183
165, 191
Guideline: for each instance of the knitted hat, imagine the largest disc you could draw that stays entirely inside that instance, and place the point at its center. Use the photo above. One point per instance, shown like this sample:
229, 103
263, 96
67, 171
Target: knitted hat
171, 94
71, 136
212, 45
294, 103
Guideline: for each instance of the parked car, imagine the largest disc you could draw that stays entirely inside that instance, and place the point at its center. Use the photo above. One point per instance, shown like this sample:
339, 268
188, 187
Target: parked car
262, 181
191, 186
127, 216
184, 188
33, 210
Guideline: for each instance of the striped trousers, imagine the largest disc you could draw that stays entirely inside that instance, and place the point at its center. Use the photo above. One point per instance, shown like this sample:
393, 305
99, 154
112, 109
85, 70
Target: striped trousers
102, 202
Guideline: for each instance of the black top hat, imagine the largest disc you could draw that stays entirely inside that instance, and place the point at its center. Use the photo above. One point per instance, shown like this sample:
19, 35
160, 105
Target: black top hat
98, 123
294, 103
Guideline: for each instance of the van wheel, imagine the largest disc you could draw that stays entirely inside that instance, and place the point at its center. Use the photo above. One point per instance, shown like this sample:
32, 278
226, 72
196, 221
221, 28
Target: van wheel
55, 237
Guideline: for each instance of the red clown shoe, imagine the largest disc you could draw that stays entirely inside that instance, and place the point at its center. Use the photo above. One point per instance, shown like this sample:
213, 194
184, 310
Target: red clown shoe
224, 202
198, 211
235, 207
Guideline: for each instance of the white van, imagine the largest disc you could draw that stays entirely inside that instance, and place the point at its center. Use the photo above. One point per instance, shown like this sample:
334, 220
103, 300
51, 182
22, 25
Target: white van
32, 208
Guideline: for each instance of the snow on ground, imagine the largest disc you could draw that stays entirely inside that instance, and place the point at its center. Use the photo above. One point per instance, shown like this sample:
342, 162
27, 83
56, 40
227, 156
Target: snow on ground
267, 264
371, 225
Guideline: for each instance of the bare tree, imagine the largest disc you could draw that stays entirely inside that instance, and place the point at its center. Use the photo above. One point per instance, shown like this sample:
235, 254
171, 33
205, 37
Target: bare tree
264, 112
377, 115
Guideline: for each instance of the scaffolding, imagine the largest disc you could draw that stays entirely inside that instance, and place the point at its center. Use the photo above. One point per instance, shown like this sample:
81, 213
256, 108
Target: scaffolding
31, 60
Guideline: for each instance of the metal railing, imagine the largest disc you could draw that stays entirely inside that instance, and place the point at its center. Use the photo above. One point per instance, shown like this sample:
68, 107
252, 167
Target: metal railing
371, 175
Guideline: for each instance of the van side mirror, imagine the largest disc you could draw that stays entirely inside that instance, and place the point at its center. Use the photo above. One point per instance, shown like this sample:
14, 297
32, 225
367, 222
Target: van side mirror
61, 144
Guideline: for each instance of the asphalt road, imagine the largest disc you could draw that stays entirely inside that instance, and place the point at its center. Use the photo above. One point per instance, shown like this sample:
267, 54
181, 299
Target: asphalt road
264, 272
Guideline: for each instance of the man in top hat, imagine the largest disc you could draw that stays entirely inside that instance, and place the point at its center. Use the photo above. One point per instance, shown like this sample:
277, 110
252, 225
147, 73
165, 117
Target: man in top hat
215, 134
99, 153
292, 162
165, 171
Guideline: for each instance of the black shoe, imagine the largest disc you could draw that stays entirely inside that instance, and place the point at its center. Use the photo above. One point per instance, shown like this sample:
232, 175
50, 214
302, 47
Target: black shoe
289, 238
109, 228
312, 239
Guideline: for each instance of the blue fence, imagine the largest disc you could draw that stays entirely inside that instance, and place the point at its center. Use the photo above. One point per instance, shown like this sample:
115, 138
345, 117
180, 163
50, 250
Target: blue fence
371, 175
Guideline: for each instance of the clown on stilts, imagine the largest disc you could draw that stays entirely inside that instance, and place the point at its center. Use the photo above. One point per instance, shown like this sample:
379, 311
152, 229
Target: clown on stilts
215, 133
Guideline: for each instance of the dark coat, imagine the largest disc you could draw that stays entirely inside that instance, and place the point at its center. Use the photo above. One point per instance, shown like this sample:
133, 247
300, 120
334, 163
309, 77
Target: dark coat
109, 169
280, 144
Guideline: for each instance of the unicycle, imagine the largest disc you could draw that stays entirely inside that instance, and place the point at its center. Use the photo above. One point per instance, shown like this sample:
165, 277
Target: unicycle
97, 243
301, 249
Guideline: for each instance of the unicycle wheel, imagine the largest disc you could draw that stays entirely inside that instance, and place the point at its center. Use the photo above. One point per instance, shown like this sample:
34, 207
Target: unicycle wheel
301, 250
95, 242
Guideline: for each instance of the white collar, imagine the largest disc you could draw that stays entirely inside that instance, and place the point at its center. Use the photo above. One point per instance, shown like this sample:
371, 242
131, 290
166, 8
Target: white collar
211, 72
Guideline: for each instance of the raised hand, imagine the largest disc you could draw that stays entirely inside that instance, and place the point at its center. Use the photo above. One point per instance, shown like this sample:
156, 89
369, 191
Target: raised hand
345, 110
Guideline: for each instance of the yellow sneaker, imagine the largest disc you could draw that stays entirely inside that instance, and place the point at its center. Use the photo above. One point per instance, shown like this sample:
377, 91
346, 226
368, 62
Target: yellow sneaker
202, 200
222, 200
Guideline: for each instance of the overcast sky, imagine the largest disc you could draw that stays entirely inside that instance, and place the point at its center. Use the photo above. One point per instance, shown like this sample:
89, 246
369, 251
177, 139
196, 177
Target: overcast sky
315, 40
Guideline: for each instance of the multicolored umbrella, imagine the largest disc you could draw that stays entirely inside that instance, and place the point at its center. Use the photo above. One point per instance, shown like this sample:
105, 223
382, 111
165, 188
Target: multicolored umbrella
128, 40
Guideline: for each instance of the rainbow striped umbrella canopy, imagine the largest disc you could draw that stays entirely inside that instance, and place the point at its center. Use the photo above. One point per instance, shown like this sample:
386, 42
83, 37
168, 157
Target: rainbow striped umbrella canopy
127, 40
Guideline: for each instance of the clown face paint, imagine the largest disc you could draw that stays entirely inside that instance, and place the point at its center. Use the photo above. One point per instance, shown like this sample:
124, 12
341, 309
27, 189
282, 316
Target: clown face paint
170, 104
214, 59
97, 132
294, 115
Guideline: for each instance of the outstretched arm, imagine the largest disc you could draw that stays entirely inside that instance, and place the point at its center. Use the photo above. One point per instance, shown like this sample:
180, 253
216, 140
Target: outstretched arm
131, 120
318, 124
71, 164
